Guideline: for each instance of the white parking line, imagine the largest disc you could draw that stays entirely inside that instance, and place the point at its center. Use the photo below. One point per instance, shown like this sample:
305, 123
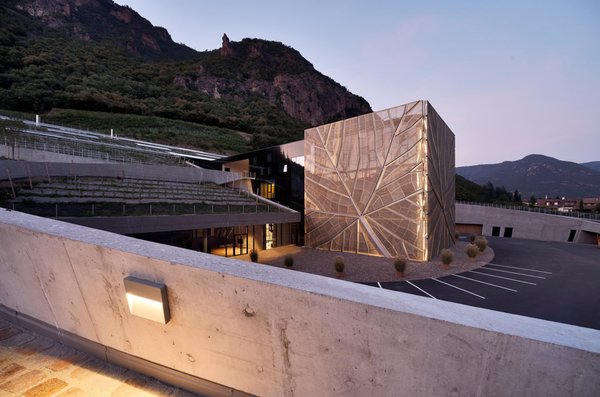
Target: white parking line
506, 271
505, 278
521, 268
454, 286
422, 290
483, 282
379, 285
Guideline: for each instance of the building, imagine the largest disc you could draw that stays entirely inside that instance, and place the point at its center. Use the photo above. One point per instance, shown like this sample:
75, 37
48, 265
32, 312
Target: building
277, 174
589, 204
377, 184
381, 183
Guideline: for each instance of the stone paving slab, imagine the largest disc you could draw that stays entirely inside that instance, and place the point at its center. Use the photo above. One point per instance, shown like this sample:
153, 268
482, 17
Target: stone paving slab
32, 365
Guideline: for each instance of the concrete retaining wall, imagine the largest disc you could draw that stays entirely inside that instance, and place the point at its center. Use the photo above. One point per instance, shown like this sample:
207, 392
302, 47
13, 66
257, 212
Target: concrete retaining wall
20, 153
277, 332
25, 169
528, 225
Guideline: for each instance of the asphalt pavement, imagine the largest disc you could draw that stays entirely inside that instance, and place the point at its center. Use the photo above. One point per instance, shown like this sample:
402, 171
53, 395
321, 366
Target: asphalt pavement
547, 280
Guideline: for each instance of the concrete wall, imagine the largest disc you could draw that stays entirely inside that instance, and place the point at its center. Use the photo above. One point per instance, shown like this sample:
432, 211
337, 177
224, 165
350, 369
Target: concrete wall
277, 332
24, 169
20, 153
528, 225
165, 223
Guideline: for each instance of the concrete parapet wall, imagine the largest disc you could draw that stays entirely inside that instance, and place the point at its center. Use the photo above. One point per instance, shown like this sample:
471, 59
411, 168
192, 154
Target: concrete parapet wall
276, 332
165, 223
528, 225
25, 169
20, 153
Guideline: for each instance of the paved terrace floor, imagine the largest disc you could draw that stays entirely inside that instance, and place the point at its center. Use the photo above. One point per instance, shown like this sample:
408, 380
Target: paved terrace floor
35, 366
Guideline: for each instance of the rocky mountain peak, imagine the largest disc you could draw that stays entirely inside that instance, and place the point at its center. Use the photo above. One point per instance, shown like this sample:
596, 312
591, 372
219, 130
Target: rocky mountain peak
76, 54
226, 49
104, 20
276, 73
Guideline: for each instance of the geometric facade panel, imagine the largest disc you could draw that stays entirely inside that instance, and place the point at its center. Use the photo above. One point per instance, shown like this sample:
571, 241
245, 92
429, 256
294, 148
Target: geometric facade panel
374, 183
441, 218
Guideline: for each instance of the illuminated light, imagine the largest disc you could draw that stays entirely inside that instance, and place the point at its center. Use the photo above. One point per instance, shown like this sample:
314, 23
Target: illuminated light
147, 299
425, 207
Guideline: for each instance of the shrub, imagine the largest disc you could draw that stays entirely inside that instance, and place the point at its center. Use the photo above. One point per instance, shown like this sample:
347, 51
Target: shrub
447, 256
472, 238
288, 261
254, 255
338, 263
481, 243
472, 250
400, 265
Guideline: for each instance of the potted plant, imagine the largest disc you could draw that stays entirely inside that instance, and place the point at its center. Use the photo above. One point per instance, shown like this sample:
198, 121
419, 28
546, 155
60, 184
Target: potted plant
481, 243
472, 250
288, 260
400, 266
447, 257
254, 255
338, 263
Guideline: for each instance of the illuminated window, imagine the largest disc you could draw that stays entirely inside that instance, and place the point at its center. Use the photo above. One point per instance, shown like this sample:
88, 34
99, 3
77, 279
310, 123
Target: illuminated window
267, 190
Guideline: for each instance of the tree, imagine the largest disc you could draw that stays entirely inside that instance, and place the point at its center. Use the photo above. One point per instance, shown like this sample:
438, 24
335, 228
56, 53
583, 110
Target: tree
517, 196
532, 201
489, 194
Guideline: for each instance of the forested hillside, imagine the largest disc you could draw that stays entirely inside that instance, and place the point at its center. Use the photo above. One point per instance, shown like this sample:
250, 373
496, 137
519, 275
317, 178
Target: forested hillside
97, 56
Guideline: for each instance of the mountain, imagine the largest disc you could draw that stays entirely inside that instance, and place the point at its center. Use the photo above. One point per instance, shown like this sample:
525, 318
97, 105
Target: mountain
103, 20
469, 191
594, 165
537, 175
96, 56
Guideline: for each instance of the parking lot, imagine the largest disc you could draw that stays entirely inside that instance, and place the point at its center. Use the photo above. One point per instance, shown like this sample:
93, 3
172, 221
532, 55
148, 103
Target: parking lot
551, 281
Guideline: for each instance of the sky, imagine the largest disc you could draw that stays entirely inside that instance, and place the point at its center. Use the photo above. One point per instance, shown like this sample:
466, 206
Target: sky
510, 78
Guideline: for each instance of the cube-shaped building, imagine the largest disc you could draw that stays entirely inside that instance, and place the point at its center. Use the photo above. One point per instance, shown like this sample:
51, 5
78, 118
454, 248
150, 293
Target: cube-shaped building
381, 184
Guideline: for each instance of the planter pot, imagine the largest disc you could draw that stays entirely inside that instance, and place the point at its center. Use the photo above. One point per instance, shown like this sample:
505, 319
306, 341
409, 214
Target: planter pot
400, 274
339, 274
446, 266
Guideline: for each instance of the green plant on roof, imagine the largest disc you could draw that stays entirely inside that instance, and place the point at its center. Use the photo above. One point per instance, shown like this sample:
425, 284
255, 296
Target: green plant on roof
472, 250
288, 260
254, 255
400, 266
447, 256
481, 243
338, 264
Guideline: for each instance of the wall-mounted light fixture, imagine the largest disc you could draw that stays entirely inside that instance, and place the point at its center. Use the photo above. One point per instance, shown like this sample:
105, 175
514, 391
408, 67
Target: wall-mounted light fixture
147, 299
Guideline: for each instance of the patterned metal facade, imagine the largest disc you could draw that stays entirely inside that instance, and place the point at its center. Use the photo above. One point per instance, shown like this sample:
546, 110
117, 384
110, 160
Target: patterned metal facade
381, 184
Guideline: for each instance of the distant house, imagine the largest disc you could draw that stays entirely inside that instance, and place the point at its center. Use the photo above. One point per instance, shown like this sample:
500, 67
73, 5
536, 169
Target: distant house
590, 203
568, 205
558, 204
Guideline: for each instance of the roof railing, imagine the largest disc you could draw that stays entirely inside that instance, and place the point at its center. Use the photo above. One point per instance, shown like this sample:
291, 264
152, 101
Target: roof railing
541, 210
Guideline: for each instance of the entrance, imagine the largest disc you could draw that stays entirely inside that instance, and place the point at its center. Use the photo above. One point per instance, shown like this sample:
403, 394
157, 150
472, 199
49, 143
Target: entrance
240, 244
270, 236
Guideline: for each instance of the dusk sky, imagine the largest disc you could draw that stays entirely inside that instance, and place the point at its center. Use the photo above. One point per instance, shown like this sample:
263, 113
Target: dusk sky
510, 78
